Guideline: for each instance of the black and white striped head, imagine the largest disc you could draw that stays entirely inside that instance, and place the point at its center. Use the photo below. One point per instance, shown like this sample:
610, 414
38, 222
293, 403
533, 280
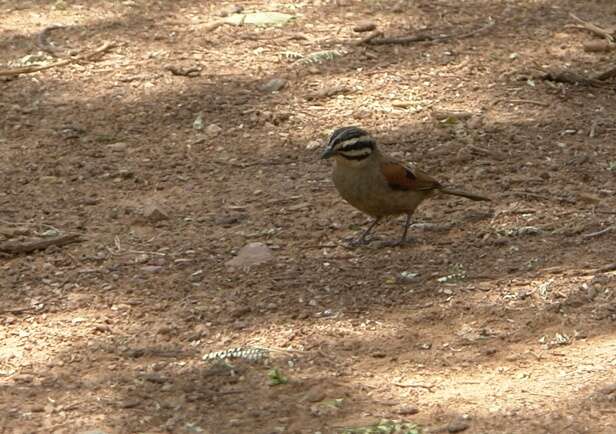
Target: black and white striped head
350, 144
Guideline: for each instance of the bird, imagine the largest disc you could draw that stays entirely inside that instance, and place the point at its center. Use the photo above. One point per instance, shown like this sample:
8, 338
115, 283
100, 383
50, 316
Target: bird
377, 184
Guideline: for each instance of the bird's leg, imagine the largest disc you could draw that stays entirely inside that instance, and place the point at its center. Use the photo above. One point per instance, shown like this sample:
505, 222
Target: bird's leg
406, 229
362, 239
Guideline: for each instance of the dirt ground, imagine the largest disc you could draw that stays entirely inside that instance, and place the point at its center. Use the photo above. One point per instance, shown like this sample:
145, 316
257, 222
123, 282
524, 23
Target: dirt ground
499, 318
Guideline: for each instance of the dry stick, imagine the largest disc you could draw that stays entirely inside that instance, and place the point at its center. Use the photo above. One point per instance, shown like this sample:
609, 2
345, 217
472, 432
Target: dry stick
598, 233
420, 386
31, 246
523, 101
15, 310
30, 69
375, 40
542, 196
607, 268
606, 74
604, 33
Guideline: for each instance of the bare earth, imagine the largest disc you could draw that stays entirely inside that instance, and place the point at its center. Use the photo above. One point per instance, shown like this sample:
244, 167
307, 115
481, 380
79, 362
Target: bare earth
499, 318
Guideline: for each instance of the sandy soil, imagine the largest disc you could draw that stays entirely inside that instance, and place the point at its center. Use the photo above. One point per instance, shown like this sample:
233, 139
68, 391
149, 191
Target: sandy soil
498, 319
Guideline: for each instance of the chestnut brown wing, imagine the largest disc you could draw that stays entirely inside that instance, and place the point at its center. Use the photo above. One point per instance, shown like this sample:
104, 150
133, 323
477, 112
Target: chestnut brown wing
402, 178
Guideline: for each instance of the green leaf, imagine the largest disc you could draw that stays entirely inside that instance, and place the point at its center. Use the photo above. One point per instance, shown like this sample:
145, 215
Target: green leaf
276, 377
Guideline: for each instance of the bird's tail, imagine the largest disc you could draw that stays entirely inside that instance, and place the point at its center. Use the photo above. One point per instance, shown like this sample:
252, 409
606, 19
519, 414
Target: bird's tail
471, 196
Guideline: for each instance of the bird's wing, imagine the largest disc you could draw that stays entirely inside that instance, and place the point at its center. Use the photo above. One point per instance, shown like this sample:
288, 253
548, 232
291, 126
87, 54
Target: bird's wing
401, 177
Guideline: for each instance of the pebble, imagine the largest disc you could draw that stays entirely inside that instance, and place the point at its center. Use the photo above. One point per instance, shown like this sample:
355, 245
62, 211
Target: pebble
151, 268
153, 213
129, 403
274, 85
251, 254
213, 130
315, 395
458, 425
118, 146
408, 410
365, 26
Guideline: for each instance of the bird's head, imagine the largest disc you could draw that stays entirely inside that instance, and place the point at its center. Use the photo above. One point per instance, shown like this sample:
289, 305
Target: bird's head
350, 145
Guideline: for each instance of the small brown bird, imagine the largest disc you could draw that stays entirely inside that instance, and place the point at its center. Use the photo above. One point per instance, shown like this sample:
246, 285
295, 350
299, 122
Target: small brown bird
377, 184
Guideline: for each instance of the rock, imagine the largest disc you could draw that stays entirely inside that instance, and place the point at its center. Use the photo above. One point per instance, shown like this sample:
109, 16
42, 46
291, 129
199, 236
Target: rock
407, 410
154, 377
118, 146
251, 254
315, 395
274, 85
230, 10
259, 19
458, 425
152, 268
213, 130
365, 26
129, 403
153, 213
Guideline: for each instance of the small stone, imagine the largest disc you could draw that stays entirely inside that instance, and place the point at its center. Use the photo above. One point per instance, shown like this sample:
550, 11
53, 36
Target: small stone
274, 85
407, 410
364, 26
151, 268
213, 130
154, 377
129, 403
230, 10
154, 214
118, 147
251, 254
458, 425
315, 395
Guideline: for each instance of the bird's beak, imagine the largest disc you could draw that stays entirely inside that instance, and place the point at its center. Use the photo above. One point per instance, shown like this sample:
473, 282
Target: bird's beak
327, 153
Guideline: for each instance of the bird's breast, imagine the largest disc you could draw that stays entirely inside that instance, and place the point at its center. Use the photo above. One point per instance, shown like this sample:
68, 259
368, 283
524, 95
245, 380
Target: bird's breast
366, 189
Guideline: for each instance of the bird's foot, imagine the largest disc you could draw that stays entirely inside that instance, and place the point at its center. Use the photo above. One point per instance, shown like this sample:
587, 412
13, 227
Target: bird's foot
353, 243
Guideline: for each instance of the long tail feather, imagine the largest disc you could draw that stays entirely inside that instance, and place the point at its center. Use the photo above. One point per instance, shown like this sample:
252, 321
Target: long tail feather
471, 196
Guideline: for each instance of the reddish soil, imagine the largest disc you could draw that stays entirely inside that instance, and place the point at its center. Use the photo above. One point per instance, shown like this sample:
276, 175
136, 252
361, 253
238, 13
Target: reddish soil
108, 334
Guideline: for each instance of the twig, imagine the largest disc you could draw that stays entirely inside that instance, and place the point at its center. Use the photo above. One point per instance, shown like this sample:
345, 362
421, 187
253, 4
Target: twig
31, 246
415, 385
523, 101
604, 33
599, 233
30, 69
606, 74
376, 39
549, 395
607, 268
370, 37
542, 196
16, 310
570, 77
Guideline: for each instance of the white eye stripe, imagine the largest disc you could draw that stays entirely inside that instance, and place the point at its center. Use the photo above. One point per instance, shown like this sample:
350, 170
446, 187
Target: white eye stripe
353, 141
356, 152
